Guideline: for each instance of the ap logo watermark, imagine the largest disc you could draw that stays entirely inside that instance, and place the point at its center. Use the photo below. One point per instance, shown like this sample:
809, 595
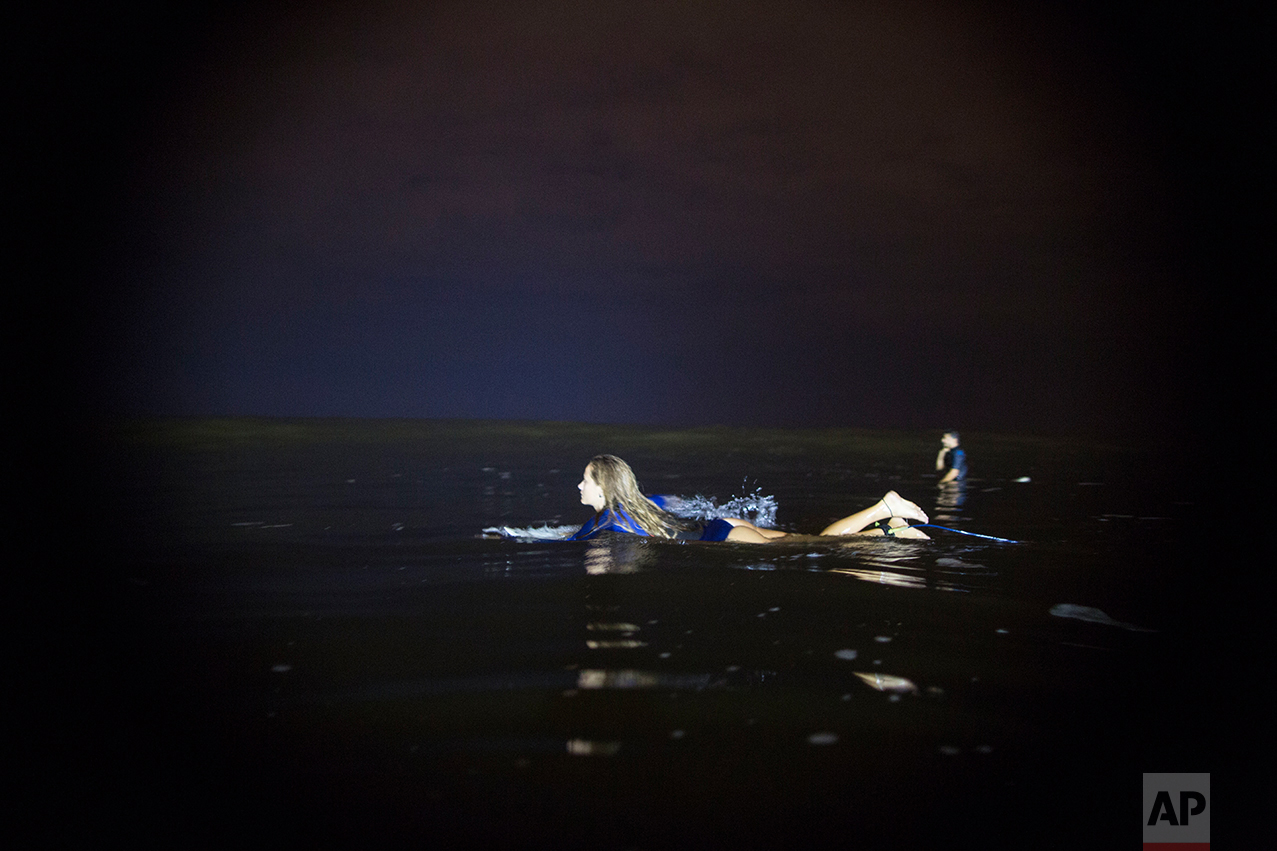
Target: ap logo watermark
1177, 809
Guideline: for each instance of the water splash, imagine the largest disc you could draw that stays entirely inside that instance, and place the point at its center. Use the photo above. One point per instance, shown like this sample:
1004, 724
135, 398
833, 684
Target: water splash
756, 507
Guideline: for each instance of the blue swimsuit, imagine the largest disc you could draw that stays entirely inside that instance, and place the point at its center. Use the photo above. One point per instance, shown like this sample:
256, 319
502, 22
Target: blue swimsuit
608, 520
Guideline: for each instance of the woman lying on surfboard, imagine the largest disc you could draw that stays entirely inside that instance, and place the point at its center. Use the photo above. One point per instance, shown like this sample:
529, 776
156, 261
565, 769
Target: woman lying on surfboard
610, 488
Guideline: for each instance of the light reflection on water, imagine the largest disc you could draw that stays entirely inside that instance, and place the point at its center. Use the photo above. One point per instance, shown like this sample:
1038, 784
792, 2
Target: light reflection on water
626, 679
584, 747
887, 683
900, 579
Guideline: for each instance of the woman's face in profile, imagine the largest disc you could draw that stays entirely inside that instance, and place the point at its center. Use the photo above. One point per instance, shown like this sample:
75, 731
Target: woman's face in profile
591, 493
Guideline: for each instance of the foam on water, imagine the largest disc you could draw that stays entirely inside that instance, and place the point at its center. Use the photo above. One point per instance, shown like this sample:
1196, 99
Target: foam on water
531, 533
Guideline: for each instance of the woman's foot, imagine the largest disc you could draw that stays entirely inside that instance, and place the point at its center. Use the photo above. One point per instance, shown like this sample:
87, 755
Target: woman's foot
898, 506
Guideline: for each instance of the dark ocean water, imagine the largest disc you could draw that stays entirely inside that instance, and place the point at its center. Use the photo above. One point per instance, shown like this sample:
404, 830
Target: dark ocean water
317, 647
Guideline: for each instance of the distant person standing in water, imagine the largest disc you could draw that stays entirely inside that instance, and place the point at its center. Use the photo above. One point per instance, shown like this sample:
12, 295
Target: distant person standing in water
951, 462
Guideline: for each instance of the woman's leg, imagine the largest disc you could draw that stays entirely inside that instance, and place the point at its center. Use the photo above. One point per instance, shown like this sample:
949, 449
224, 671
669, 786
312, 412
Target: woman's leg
753, 535
891, 505
743, 530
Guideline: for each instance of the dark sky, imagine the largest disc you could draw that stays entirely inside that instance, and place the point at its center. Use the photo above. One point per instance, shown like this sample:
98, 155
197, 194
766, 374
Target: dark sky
898, 214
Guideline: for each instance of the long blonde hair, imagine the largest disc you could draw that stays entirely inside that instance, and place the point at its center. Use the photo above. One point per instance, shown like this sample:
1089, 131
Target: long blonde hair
621, 490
